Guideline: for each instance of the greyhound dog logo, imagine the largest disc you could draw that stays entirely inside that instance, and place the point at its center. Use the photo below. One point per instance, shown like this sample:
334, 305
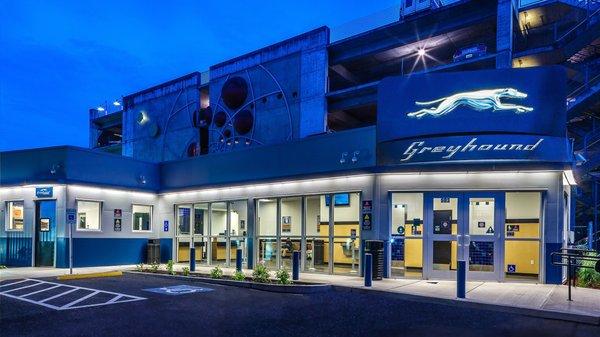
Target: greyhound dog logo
479, 100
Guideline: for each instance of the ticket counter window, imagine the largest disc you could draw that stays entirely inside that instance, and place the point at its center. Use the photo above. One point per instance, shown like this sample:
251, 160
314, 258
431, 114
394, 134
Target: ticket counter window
142, 218
406, 243
15, 216
88, 215
522, 230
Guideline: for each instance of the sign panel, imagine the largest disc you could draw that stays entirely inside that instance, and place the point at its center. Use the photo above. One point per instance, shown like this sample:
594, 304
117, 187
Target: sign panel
166, 226
508, 114
367, 214
117, 225
71, 216
118, 213
523, 101
44, 192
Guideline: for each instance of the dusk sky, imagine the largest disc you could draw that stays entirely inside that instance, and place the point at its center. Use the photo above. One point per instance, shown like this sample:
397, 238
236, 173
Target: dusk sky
60, 58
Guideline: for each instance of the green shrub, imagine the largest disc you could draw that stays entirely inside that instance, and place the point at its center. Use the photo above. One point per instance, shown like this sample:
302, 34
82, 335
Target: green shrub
260, 273
139, 267
216, 272
169, 267
2, 266
154, 267
238, 276
283, 276
186, 271
588, 277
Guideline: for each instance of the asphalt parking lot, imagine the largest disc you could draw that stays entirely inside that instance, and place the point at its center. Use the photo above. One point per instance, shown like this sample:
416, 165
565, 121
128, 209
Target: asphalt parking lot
231, 311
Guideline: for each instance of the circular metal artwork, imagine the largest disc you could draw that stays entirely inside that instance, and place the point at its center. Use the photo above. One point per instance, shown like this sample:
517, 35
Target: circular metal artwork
234, 92
220, 119
243, 122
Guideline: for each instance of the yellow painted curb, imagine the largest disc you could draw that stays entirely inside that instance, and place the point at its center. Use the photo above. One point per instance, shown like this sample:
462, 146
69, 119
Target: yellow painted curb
90, 275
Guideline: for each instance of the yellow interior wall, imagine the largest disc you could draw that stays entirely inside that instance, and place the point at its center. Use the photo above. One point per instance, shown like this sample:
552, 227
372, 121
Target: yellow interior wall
413, 253
521, 254
339, 229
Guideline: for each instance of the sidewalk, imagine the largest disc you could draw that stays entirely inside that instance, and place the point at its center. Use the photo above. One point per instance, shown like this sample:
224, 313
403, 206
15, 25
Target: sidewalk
540, 300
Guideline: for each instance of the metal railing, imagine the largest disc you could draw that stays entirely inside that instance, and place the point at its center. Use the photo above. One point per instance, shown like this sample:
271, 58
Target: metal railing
574, 258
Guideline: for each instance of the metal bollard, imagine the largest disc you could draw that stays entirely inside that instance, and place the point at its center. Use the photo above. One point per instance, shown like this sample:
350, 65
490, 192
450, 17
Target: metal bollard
590, 235
296, 265
238, 259
368, 269
461, 279
192, 258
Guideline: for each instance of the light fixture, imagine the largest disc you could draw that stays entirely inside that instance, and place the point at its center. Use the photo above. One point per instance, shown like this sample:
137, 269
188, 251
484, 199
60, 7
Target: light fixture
421, 52
117, 103
355, 156
100, 108
343, 158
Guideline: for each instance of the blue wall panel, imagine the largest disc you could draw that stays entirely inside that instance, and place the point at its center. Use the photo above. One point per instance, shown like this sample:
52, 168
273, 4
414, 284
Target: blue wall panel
89, 252
15, 250
166, 250
553, 273
62, 252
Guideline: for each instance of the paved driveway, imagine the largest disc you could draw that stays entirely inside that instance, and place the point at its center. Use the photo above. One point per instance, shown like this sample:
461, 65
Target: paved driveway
231, 311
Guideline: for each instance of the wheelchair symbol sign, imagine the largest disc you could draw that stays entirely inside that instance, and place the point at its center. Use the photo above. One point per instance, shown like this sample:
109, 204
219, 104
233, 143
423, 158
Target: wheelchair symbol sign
179, 290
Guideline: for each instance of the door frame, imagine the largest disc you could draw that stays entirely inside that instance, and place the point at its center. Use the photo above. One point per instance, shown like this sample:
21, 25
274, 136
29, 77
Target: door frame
35, 234
462, 236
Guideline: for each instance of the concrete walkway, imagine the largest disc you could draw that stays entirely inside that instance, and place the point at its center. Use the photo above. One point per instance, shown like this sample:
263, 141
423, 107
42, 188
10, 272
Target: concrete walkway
540, 300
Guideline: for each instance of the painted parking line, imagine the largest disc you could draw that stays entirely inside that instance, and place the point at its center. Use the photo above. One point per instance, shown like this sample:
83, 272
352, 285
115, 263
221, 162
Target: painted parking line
65, 289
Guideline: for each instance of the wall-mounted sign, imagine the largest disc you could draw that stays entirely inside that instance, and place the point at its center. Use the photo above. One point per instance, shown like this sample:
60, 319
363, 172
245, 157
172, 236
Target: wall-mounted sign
353, 233
44, 225
511, 268
166, 226
367, 214
44, 192
117, 225
366, 222
508, 114
118, 213
71, 216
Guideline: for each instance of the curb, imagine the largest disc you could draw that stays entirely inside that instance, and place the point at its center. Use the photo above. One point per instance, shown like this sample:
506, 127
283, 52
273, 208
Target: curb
466, 303
89, 275
270, 287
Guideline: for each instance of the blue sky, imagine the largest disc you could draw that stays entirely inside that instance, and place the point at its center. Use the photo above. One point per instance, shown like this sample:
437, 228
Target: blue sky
60, 58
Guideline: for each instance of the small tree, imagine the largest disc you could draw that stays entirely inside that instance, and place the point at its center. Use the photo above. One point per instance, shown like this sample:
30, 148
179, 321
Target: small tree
169, 267
260, 273
216, 272
283, 276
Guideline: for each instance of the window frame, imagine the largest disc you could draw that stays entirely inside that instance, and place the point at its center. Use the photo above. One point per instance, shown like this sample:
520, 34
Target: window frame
7, 221
77, 228
151, 219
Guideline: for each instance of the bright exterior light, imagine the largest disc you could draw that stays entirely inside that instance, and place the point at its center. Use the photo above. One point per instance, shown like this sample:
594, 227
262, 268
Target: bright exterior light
100, 108
117, 103
421, 52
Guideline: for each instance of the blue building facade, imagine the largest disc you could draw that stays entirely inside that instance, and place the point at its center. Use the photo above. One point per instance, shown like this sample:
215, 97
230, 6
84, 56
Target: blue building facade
319, 146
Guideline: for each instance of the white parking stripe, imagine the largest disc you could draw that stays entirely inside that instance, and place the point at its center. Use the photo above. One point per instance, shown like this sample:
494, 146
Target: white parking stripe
25, 287
117, 297
39, 291
58, 295
68, 305
10, 284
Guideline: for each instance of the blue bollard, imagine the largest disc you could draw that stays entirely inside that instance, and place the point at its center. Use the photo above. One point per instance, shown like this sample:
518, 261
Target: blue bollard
238, 259
461, 279
368, 269
296, 265
192, 258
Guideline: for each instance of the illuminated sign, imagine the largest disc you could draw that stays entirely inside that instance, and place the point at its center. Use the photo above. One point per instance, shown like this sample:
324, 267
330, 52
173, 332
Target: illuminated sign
43, 192
478, 100
449, 151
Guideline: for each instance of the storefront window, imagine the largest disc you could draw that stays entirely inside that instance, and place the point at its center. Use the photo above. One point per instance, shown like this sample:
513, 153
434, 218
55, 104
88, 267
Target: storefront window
15, 215
142, 218
238, 212
346, 233
317, 232
522, 235
406, 242
267, 232
88, 215
291, 229
218, 217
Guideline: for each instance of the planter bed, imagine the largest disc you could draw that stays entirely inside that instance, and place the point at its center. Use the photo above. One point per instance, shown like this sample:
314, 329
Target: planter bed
298, 287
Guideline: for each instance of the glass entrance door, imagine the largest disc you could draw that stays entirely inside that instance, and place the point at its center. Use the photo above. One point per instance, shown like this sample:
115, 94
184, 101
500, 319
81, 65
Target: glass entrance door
45, 232
464, 226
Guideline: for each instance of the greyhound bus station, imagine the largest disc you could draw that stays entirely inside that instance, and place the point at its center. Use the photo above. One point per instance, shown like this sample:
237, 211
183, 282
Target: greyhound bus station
290, 148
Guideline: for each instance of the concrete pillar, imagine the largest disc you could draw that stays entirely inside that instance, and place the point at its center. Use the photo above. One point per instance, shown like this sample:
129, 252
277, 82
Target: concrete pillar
506, 17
